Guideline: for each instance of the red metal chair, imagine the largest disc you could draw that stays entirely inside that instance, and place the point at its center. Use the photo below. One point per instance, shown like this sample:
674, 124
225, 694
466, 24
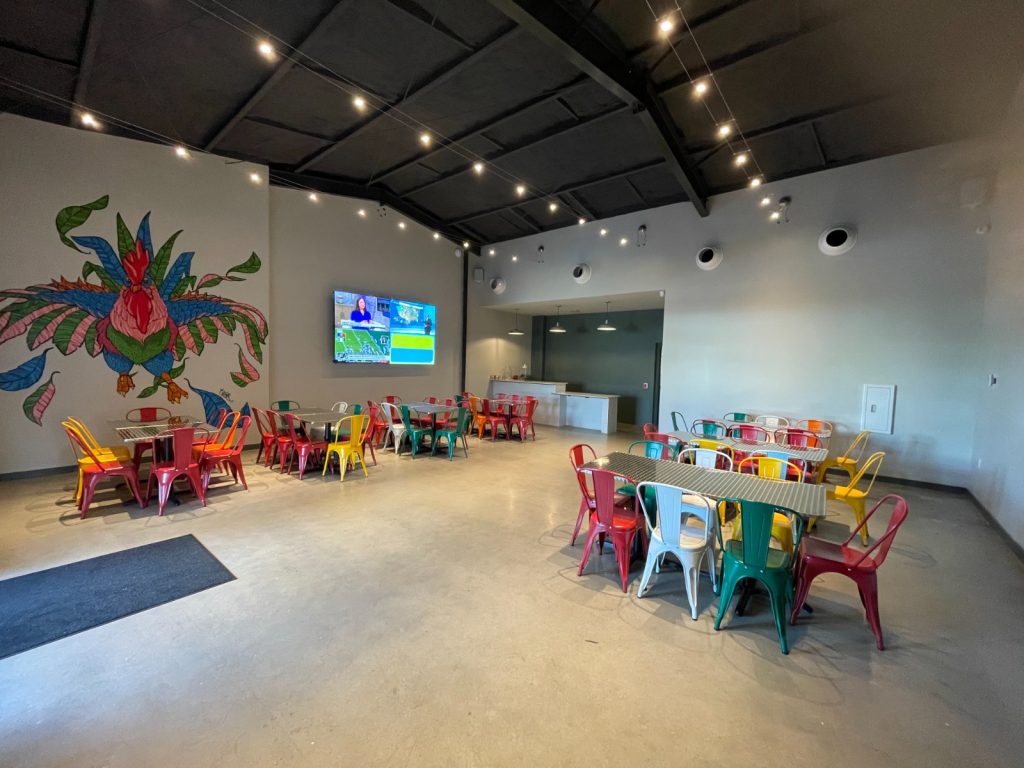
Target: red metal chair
798, 438
393, 399
268, 434
226, 455
372, 425
101, 467
184, 462
298, 445
492, 420
609, 519
673, 443
523, 418
578, 456
142, 415
817, 556
379, 421
650, 429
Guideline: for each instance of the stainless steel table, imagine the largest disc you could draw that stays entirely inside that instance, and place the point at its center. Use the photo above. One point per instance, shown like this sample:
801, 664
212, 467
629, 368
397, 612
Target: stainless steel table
813, 455
805, 499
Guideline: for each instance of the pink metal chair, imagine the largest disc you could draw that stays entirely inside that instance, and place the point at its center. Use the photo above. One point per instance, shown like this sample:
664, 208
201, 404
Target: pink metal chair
227, 455
298, 445
101, 467
522, 419
183, 462
609, 519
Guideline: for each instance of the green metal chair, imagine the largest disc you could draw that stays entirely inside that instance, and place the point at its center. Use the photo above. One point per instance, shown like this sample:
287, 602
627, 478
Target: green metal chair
679, 423
452, 433
752, 557
415, 433
284, 405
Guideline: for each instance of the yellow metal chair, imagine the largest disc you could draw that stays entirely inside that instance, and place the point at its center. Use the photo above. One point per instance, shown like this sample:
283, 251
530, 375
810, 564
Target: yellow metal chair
350, 449
772, 468
712, 445
855, 497
118, 453
849, 461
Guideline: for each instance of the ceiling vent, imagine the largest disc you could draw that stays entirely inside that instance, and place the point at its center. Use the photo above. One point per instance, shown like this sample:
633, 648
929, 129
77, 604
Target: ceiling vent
709, 257
498, 285
581, 273
836, 241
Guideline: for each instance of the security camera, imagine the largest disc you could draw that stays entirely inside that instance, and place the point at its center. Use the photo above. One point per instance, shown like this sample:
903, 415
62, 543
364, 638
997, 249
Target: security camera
709, 257
581, 273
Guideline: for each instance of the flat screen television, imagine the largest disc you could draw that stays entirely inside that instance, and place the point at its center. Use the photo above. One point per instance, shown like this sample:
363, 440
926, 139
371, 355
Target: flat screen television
376, 330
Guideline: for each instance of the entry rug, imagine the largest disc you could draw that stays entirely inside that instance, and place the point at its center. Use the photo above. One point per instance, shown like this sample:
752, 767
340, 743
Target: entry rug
44, 606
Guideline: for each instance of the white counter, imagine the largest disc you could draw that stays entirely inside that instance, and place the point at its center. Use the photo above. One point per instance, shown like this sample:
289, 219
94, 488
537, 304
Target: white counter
589, 411
546, 392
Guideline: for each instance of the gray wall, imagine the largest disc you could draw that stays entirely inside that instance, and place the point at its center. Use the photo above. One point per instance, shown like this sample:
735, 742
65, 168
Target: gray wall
609, 363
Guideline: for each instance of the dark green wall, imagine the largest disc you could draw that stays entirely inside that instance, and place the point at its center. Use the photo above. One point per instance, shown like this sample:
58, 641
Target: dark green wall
611, 363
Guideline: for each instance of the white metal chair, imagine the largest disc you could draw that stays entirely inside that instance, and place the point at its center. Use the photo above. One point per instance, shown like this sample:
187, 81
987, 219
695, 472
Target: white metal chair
341, 407
396, 429
772, 422
676, 532
705, 457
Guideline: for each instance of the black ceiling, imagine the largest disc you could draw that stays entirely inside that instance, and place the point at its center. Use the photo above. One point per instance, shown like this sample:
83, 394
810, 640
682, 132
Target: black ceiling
581, 100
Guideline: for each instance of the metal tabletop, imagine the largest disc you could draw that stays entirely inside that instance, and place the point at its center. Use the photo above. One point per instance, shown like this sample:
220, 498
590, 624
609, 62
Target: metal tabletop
431, 408
813, 455
138, 432
320, 417
803, 498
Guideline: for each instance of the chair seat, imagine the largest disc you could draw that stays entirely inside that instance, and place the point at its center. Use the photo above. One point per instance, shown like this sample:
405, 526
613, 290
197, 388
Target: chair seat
689, 538
777, 559
846, 461
622, 521
829, 551
846, 492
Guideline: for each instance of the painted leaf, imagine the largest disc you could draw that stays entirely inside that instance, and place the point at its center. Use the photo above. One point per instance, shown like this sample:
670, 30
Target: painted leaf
149, 391
111, 263
211, 329
35, 405
92, 268
71, 333
239, 381
75, 216
180, 268
144, 236
186, 283
247, 368
92, 344
212, 402
44, 334
25, 375
249, 266
160, 261
197, 338
125, 241
21, 325
179, 347
139, 351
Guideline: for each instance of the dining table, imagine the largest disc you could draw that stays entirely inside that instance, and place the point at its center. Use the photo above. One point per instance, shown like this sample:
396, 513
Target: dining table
132, 433
505, 406
811, 455
432, 410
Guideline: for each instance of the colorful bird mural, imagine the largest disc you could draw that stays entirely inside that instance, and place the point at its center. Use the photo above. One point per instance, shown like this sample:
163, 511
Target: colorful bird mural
132, 309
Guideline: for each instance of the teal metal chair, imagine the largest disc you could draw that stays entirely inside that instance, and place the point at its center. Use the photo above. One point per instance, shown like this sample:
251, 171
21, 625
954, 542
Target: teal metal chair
679, 422
415, 433
709, 428
284, 405
452, 433
752, 557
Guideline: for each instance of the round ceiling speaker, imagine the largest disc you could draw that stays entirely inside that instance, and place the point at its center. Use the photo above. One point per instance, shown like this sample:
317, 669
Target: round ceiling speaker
709, 257
581, 273
836, 241
498, 285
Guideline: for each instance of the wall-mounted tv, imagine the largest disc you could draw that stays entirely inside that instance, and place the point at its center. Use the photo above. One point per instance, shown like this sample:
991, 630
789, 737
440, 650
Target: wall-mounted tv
371, 329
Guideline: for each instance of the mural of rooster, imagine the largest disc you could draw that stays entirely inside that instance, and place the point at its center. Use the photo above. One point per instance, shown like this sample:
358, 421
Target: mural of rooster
131, 309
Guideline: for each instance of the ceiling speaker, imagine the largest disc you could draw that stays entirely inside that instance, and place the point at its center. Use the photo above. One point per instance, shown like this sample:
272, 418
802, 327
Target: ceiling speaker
709, 257
498, 285
836, 241
581, 273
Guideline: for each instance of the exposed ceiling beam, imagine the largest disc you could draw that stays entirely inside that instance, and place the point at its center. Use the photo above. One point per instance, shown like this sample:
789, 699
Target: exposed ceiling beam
504, 155
531, 225
435, 79
561, 191
575, 202
822, 157
90, 44
314, 35
472, 133
553, 25
27, 51
421, 14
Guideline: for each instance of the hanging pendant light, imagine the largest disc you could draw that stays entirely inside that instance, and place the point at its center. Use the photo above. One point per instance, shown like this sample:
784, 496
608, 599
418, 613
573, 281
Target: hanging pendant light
606, 326
557, 327
515, 331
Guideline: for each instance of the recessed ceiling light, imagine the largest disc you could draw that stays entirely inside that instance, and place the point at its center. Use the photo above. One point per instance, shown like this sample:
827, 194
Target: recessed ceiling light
520, 189
254, 178
465, 243
741, 159
181, 151
623, 242
755, 182
359, 103
362, 213
89, 121
515, 258
425, 139
437, 235
266, 49
478, 167
603, 232
774, 215
491, 252
766, 201
313, 196
700, 88
552, 207
581, 221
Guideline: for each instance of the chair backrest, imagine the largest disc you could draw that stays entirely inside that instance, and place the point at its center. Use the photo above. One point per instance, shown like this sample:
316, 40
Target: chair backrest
679, 423
741, 416
771, 465
357, 408
525, 410
79, 445
818, 426
749, 433
341, 407
756, 521
466, 421
475, 405
182, 439
392, 413
578, 455
229, 422
605, 485
708, 428
404, 410
673, 442
261, 421
432, 400
373, 411
870, 467
713, 445
84, 432
774, 422
393, 399
149, 413
796, 437
652, 449
450, 401
237, 444
674, 506
289, 422
285, 405
650, 428
704, 457
881, 546
272, 415
859, 445
379, 416
357, 424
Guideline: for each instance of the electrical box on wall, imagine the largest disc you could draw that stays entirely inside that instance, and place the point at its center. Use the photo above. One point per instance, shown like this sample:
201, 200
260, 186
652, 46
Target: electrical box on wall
879, 405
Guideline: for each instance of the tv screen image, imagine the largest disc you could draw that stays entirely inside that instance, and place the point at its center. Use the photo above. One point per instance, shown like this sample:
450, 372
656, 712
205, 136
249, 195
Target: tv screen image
372, 329
362, 328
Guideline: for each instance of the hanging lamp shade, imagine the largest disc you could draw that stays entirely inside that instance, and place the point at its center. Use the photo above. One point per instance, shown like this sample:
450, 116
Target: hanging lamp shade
515, 330
606, 326
557, 327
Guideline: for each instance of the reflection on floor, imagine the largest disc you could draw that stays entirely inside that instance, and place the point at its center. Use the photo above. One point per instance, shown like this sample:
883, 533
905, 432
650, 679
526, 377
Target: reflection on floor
431, 615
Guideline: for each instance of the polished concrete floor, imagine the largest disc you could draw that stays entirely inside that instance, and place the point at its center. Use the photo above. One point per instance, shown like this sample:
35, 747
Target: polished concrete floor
431, 615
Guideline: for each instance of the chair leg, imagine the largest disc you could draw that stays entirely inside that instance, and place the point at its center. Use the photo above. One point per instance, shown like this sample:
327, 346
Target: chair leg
133, 483
623, 556
197, 484
858, 513
588, 546
692, 583
652, 558
88, 488
728, 590
803, 585
779, 612
868, 588
584, 508
163, 492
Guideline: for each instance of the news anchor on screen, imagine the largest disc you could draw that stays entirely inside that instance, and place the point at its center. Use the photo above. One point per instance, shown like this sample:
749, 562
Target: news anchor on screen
360, 315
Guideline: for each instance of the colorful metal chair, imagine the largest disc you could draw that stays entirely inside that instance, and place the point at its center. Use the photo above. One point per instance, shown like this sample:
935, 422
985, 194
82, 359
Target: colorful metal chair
579, 455
228, 454
348, 446
709, 428
855, 496
94, 467
609, 520
454, 431
183, 462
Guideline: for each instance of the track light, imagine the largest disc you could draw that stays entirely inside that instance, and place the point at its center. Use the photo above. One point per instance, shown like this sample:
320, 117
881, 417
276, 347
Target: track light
700, 88
359, 103
255, 178
362, 213
666, 25
766, 201
181, 151
313, 197
425, 139
478, 167
724, 130
437, 235
756, 182
741, 159
465, 243
552, 207
401, 225
623, 242
603, 232
266, 49
520, 190
89, 121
